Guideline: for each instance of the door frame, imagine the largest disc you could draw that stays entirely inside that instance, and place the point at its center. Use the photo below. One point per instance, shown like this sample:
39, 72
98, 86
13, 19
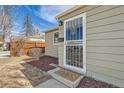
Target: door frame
82, 71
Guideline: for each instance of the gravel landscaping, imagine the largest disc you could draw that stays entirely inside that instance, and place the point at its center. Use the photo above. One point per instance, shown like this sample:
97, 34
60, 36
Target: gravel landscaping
88, 82
44, 63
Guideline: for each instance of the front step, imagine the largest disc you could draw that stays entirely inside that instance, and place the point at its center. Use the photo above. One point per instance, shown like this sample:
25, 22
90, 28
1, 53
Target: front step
73, 82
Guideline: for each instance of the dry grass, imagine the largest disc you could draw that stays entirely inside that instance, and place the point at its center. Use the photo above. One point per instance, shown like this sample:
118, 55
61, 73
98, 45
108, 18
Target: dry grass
13, 74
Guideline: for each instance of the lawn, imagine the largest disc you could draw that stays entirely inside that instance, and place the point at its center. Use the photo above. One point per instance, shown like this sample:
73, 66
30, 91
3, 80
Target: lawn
14, 72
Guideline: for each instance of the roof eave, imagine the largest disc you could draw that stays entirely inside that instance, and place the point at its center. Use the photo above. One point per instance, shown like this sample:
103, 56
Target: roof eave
51, 30
69, 11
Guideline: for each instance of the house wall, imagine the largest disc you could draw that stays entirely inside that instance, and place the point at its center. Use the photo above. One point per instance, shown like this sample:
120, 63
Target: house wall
50, 48
105, 42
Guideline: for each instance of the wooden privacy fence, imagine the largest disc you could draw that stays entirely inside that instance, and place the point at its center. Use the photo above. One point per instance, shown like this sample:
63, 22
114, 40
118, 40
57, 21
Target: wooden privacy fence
22, 47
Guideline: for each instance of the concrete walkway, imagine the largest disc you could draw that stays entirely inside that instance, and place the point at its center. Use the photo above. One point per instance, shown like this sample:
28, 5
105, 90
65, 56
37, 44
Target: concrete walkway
51, 83
4, 54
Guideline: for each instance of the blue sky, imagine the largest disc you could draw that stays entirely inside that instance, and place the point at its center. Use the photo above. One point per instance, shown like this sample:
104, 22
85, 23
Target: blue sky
43, 16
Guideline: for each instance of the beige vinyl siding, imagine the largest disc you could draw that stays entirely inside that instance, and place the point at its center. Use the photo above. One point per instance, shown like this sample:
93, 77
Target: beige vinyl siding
104, 42
105, 78
61, 46
50, 48
61, 54
110, 64
61, 31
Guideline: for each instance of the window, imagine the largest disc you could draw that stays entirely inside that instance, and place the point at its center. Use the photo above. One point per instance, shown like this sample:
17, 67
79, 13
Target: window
74, 29
55, 37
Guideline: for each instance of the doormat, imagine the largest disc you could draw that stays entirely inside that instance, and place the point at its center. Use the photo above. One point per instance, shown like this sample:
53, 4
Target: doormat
68, 74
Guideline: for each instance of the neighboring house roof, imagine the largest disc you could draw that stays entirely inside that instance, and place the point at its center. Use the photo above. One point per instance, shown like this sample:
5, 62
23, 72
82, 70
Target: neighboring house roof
51, 30
36, 39
69, 11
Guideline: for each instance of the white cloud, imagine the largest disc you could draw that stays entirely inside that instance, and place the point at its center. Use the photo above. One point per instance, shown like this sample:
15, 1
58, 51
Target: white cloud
49, 12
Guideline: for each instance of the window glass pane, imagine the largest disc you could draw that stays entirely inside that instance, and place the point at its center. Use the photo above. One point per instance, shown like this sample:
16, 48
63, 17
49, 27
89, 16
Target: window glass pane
81, 29
78, 29
75, 24
74, 29
71, 31
74, 56
66, 30
56, 36
81, 55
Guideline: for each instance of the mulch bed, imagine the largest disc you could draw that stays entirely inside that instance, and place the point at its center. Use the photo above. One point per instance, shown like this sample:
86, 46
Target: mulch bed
34, 74
44, 63
88, 82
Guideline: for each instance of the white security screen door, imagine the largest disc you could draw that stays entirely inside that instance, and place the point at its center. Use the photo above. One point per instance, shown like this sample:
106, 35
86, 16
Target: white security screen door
74, 43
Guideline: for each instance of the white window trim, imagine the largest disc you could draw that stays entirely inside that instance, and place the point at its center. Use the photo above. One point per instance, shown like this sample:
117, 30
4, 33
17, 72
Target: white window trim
53, 38
84, 44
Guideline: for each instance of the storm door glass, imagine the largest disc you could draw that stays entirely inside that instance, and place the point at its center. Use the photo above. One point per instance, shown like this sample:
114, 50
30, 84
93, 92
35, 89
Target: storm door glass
74, 42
